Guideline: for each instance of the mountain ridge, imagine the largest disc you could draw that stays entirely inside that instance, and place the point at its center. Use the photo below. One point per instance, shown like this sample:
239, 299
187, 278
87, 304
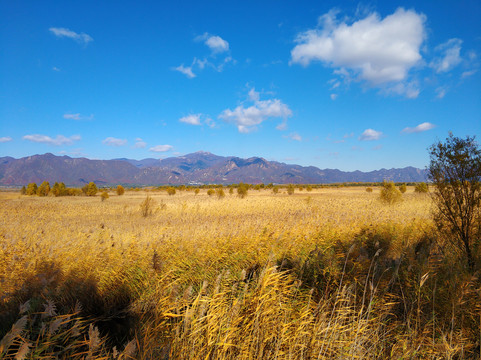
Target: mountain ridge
196, 168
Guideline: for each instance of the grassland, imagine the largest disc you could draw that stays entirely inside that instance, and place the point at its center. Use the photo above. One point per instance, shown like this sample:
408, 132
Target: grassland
326, 274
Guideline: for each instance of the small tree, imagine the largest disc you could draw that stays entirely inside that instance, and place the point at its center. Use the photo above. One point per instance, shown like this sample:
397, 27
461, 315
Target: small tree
389, 193
120, 190
90, 189
43, 189
220, 193
31, 189
455, 172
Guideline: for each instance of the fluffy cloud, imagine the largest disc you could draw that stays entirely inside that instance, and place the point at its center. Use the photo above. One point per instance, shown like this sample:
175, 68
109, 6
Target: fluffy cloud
214, 42
57, 141
247, 118
450, 56
63, 32
111, 141
370, 134
5, 139
373, 49
139, 143
161, 148
193, 119
425, 126
186, 70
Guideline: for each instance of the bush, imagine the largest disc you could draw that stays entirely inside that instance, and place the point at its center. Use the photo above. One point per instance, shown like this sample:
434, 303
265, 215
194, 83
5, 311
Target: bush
120, 190
171, 191
220, 193
309, 188
369, 189
23, 190
231, 190
31, 189
275, 190
402, 188
43, 189
242, 190
104, 196
146, 206
389, 193
421, 188
196, 191
210, 192
59, 189
90, 189
290, 189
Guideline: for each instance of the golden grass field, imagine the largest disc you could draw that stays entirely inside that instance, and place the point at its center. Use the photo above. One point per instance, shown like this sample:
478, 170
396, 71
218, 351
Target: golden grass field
329, 274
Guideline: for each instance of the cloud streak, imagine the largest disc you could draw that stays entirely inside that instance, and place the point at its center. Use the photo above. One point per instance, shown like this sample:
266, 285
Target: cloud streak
5, 139
161, 148
370, 135
425, 126
67, 33
57, 141
111, 141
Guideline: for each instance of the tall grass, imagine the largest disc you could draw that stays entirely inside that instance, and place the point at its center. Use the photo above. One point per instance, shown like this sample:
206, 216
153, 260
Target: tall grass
340, 276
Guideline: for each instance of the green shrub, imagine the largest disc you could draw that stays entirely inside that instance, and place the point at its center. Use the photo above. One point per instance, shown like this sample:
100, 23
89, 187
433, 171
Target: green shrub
389, 193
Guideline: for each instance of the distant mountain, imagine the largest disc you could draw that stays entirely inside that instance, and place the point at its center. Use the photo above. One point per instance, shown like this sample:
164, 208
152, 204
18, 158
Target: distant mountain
197, 168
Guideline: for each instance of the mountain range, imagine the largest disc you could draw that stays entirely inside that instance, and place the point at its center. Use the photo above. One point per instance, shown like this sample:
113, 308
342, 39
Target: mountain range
196, 168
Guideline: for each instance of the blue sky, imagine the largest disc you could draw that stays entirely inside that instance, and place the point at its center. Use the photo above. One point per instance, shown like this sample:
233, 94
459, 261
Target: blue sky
348, 85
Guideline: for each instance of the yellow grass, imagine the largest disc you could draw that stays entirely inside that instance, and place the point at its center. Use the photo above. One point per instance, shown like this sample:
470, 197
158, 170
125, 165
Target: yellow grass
206, 278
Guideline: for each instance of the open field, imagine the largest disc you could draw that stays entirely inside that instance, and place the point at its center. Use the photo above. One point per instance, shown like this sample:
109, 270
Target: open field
326, 274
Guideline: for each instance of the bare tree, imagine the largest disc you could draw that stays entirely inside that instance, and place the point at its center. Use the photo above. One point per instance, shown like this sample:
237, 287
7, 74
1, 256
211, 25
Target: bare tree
455, 171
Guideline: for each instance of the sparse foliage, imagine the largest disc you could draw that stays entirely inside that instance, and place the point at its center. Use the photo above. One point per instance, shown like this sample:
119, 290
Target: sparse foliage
389, 193
455, 172
146, 206
290, 189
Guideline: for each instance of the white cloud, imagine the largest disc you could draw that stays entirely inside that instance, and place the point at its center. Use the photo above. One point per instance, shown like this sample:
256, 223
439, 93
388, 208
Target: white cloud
373, 49
161, 148
77, 117
111, 141
56, 69
370, 134
193, 119
294, 136
57, 141
63, 32
469, 73
450, 56
253, 95
247, 118
186, 70
5, 139
139, 143
333, 96
425, 126
214, 42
